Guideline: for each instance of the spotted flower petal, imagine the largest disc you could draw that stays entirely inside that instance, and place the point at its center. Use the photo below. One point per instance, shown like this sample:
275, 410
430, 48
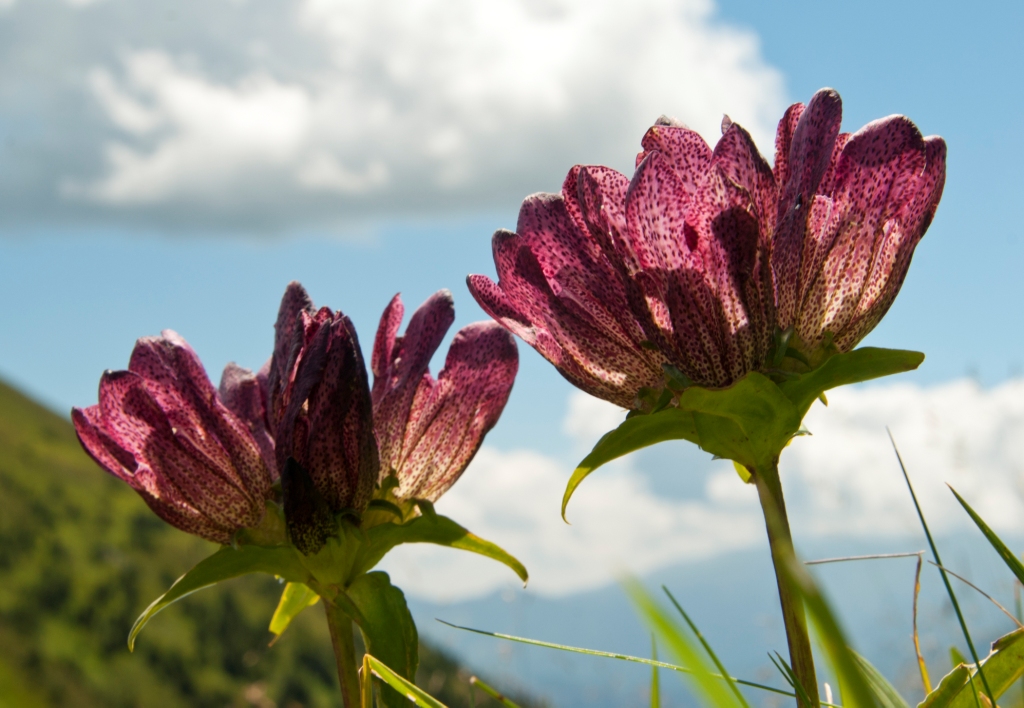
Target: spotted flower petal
429, 429
162, 428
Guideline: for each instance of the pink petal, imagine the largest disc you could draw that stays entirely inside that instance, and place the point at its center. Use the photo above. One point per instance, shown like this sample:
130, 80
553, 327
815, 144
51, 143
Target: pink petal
384, 343
287, 342
451, 416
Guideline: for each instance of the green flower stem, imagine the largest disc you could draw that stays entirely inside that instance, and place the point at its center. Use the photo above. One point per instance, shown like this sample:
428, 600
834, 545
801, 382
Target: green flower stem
345, 653
769, 491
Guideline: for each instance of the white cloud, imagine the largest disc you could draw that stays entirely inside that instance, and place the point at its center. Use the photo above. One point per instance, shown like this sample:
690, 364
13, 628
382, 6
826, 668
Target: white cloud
841, 482
350, 108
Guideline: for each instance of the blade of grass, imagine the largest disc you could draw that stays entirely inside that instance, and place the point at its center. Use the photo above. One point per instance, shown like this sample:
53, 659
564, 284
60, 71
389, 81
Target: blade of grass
787, 673
655, 684
492, 692
366, 683
407, 688
921, 665
981, 592
945, 578
611, 655
1011, 560
707, 686
873, 556
708, 649
886, 694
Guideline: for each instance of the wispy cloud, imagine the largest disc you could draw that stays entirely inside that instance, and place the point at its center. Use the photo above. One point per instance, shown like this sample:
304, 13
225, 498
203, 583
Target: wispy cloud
841, 482
282, 116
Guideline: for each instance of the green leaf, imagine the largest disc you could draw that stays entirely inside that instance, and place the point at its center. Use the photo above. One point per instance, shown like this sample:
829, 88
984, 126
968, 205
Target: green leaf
633, 434
388, 629
1003, 667
1008, 556
885, 693
295, 598
435, 529
859, 365
956, 658
709, 687
226, 563
749, 422
408, 689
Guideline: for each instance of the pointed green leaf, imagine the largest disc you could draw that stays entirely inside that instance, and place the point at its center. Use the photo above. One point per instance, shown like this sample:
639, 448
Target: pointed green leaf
885, 693
413, 693
1003, 667
859, 365
226, 563
655, 683
633, 434
437, 529
387, 626
295, 598
1008, 556
709, 686
956, 658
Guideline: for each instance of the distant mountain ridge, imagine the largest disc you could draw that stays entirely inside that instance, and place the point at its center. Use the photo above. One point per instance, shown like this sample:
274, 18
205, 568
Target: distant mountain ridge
81, 556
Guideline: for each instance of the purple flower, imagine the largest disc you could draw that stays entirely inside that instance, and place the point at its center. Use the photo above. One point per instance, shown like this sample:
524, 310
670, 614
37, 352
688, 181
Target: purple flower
311, 402
428, 429
686, 273
614, 279
851, 210
161, 427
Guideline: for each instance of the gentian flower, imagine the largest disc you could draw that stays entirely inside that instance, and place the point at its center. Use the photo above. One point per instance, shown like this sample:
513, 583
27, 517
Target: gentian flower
616, 281
429, 430
851, 210
311, 411
161, 427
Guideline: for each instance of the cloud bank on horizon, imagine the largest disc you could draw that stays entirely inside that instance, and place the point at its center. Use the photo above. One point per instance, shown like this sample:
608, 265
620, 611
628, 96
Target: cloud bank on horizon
258, 116
842, 482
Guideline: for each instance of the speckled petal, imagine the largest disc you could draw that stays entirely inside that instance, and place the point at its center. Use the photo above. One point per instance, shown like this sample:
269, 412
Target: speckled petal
811, 146
241, 392
410, 357
544, 295
878, 174
450, 416
678, 297
288, 339
340, 452
685, 151
183, 392
384, 344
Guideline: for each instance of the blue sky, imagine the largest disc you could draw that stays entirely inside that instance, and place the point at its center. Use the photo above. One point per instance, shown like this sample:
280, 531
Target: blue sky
124, 211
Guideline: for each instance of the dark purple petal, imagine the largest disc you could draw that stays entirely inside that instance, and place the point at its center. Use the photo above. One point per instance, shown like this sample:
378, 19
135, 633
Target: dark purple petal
242, 393
288, 339
328, 423
450, 417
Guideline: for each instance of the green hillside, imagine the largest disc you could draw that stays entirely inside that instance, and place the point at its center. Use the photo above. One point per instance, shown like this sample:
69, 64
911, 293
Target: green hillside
81, 555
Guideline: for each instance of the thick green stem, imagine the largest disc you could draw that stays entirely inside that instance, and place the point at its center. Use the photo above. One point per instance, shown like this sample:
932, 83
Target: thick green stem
345, 653
769, 490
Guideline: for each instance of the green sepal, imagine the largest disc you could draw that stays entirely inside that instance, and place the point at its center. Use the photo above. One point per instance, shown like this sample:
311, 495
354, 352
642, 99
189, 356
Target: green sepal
436, 529
226, 563
749, 422
294, 599
388, 629
859, 365
1003, 667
